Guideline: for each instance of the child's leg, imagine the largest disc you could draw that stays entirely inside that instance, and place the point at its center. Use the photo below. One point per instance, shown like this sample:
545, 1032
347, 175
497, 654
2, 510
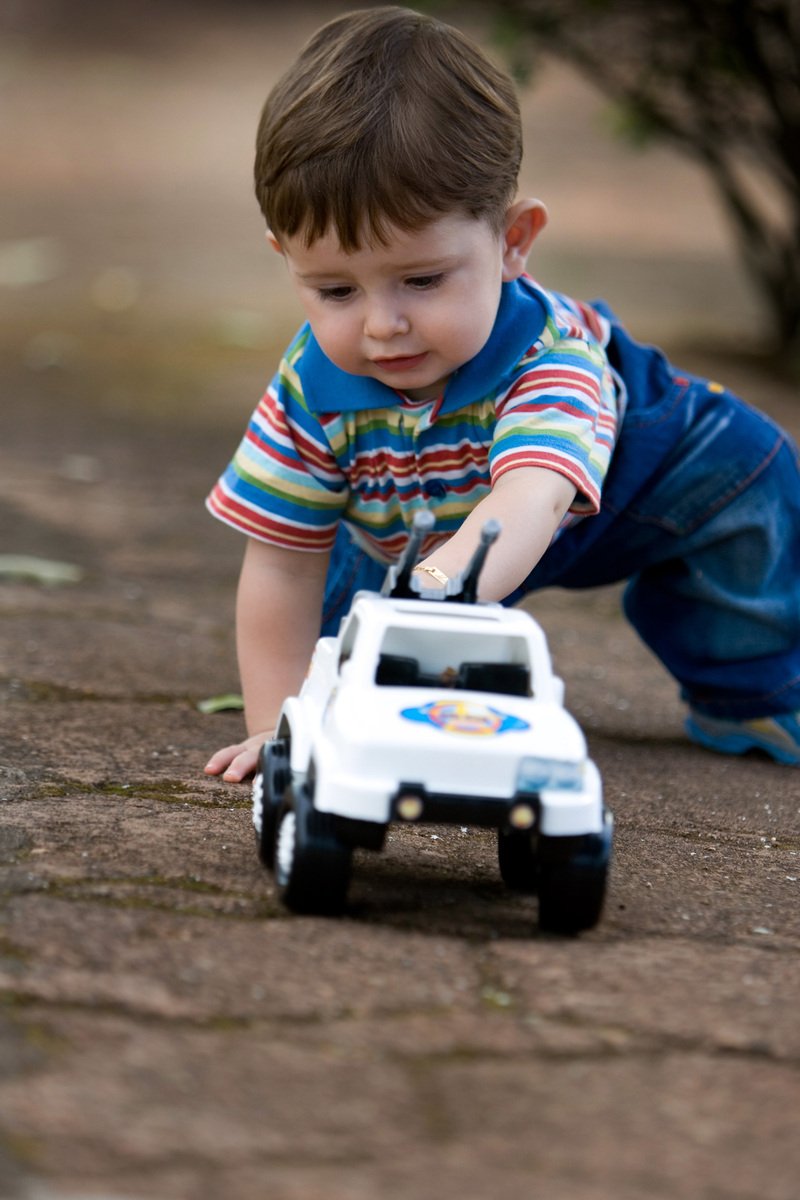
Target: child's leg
350, 570
721, 608
711, 546
725, 618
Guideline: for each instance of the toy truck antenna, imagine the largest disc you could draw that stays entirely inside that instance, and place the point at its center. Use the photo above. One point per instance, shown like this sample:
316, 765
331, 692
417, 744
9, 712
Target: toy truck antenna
470, 577
401, 584
398, 577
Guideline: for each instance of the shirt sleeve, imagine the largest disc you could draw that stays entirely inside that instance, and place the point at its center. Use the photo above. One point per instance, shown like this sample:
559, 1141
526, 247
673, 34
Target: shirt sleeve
560, 413
283, 485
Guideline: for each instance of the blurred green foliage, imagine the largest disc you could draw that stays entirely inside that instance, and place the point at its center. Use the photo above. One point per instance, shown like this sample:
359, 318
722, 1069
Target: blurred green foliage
719, 80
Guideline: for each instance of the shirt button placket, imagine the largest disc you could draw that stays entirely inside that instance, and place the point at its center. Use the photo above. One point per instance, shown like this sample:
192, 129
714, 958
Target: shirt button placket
434, 489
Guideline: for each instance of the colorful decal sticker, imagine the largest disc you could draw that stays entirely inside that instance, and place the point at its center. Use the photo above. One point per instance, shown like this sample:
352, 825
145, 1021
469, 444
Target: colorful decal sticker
464, 716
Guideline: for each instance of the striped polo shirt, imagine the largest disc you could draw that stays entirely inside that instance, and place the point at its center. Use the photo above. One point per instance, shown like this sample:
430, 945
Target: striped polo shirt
324, 446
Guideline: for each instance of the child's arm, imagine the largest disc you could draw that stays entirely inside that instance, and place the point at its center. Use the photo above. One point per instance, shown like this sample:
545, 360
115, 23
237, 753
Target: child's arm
278, 609
530, 503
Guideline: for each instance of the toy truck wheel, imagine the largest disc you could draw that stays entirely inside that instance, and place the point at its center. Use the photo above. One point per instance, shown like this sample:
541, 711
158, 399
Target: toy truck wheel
270, 782
312, 867
572, 881
516, 856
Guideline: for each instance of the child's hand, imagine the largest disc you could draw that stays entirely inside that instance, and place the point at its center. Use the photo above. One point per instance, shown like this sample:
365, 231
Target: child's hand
236, 763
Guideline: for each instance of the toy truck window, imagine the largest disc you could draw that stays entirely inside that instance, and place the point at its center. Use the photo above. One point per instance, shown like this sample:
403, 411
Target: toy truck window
482, 662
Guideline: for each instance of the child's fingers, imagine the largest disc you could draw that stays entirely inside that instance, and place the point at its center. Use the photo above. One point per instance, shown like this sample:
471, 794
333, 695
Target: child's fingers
243, 764
235, 763
222, 759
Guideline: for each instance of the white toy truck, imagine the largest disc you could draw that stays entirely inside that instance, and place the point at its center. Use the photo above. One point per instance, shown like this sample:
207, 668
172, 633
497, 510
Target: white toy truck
432, 707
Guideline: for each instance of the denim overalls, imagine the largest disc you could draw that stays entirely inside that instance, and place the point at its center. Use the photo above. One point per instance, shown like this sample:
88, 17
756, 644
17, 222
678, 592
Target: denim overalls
700, 512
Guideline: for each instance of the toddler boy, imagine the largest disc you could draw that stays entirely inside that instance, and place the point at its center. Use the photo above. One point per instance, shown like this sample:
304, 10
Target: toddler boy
434, 372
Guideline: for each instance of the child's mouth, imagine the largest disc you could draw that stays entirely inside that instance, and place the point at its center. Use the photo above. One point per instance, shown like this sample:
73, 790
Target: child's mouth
402, 362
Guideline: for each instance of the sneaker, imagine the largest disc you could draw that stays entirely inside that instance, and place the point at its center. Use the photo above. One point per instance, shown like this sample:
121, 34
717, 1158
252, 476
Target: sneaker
777, 736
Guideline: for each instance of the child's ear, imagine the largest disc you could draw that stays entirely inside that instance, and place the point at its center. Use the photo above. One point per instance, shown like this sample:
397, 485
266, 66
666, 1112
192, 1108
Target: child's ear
273, 241
524, 222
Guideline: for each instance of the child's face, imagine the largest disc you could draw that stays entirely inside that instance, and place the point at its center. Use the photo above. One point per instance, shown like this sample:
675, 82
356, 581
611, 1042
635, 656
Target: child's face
411, 312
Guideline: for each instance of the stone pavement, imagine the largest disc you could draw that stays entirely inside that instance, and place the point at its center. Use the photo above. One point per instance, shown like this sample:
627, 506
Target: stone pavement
168, 1032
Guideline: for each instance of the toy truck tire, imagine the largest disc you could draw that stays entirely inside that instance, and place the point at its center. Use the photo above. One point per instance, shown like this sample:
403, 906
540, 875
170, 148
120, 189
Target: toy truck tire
312, 866
572, 880
270, 782
516, 857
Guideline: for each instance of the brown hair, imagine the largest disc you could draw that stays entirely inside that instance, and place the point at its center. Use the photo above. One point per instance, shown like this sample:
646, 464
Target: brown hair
387, 117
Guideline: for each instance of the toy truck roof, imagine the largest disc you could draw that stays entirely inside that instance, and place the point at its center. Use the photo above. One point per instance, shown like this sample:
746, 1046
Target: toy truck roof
432, 613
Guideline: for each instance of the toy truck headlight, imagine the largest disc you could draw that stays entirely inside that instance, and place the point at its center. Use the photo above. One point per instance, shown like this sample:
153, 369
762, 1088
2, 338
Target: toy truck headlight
537, 774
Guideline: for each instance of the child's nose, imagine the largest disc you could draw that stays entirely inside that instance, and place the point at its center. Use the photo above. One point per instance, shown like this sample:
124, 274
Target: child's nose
384, 320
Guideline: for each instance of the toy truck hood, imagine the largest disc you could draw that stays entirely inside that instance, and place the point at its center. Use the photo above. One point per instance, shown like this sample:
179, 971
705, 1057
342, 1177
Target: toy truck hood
419, 722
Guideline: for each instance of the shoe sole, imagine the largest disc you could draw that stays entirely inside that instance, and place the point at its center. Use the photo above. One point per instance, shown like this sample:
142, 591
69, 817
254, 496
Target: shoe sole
738, 743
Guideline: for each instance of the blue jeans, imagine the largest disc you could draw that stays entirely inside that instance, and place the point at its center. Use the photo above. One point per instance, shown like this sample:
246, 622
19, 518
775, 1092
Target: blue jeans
701, 514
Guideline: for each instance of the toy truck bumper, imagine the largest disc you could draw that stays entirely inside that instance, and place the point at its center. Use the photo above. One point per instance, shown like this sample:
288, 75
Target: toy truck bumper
413, 802
551, 813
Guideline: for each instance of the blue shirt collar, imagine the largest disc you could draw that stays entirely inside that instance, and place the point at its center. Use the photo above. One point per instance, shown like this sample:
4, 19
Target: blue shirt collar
521, 317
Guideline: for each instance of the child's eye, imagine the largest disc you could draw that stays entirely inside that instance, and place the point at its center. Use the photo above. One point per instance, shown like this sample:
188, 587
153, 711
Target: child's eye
335, 293
425, 283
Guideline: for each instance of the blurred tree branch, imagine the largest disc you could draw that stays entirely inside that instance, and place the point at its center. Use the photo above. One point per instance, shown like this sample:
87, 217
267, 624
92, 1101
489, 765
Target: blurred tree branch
719, 79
